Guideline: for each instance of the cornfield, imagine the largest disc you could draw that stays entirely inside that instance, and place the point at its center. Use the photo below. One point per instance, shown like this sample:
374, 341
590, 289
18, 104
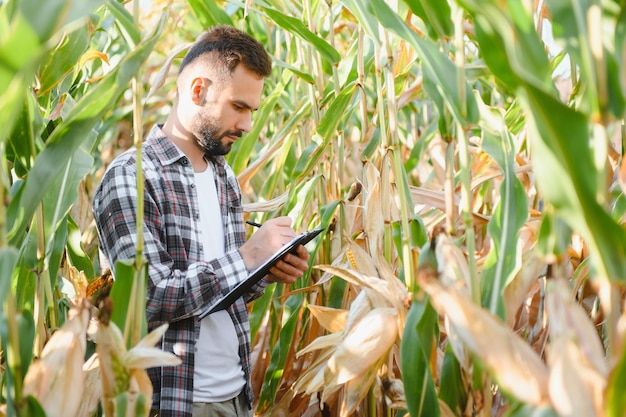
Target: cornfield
465, 158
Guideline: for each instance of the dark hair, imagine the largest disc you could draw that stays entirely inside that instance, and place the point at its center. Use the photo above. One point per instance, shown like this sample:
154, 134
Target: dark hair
229, 47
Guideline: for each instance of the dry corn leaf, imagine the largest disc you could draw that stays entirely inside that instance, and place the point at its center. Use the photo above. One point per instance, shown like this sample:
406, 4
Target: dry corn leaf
373, 221
517, 290
378, 289
161, 76
332, 319
123, 370
359, 308
388, 191
452, 264
357, 389
578, 369
268, 205
568, 319
513, 363
576, 388
312, 379
363, 346
322, 342
444, 409
93, 388
56, 380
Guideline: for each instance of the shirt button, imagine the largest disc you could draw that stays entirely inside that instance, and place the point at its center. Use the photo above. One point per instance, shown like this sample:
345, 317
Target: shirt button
193, 185
184, 161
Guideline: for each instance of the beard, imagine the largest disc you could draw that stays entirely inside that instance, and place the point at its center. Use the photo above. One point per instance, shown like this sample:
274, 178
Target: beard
209, 136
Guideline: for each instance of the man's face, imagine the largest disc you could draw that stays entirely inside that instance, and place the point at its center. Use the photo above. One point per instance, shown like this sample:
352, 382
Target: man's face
227, 111
211, 137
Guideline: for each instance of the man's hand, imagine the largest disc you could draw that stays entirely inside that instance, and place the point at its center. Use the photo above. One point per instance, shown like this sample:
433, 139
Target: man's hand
266, 241
290, 268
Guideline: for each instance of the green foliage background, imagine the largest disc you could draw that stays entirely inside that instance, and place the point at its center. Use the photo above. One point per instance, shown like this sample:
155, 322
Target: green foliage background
424, 90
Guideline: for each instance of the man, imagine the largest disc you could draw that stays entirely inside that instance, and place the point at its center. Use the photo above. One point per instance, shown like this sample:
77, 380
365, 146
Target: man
194, 230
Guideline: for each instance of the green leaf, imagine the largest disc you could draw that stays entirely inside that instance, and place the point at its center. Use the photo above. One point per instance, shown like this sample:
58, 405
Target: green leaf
511, 212
509, 42
8, 261
19, 48
416, 350
129, 301
18, 354
336, 112
258, 311
295, 26
124, 20
437, 67
327, 128
71, 134
26, 330
567, 177
572, 31
436, 16
48, 17
451, 388
33, 408
21, 142
365, 18
615, 398
209, 13
279, 354
554, 236
305, 76
60, 61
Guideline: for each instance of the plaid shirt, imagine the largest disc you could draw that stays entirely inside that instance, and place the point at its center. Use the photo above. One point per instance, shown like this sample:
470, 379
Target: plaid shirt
180, 282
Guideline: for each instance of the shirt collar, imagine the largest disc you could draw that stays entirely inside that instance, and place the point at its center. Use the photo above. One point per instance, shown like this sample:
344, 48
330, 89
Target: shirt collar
167, 152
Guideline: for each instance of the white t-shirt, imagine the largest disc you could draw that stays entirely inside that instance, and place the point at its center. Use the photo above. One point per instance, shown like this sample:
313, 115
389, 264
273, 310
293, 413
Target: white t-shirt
218, 375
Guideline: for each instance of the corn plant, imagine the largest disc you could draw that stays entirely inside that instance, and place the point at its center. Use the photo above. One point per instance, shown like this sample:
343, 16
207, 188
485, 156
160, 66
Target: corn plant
469, 180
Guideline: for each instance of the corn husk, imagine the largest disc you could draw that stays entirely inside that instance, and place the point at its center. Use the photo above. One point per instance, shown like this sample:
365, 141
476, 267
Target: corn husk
126, 387
57, 379
578, 370
507, 357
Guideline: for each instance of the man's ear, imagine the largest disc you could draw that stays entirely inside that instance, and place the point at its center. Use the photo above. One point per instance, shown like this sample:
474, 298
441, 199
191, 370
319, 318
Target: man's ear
199, 87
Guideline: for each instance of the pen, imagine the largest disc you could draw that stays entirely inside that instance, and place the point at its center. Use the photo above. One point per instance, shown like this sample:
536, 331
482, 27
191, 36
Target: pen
255, 224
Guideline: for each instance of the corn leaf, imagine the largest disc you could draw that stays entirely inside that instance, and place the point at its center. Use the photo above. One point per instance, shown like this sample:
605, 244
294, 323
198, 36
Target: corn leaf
8, 260
125, 21
451, 388
615, 398
438, 69
509, 42
209, 13
296, 27
365, 18
279, 353
507, 357
416, 351
49, 17
68, 136
574, 33
511, 212
435, 15
61, 60
566, 176
129, 293
19, 48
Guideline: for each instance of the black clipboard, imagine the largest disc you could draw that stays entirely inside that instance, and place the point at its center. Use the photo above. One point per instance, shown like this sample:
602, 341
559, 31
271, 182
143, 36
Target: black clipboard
256, 275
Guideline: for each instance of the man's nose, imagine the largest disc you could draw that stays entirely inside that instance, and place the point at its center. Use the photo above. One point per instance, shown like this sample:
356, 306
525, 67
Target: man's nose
245, 122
